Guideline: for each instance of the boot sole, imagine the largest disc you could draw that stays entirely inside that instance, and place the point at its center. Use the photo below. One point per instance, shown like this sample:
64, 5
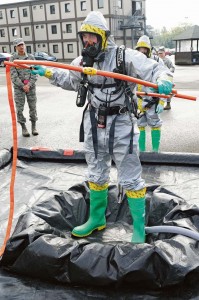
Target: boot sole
97, 228
26, 135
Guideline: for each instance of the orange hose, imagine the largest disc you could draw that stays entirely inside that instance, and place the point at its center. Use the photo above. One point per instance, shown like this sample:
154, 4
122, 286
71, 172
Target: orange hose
81, 69
152, 95
167, 96
100, 73
14, 64
14, 159
185, 97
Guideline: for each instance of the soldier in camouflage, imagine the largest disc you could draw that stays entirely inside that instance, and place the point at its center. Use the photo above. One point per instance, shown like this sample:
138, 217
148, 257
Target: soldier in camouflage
24, 87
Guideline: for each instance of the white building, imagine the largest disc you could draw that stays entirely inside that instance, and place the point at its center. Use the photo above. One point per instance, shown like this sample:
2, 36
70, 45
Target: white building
51, 25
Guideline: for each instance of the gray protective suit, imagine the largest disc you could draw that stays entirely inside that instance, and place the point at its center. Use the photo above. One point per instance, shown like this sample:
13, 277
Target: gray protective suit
168, 63
18, 76
128, 165
150, 117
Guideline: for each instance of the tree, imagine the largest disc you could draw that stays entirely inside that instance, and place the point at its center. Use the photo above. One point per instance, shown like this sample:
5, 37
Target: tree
165, 37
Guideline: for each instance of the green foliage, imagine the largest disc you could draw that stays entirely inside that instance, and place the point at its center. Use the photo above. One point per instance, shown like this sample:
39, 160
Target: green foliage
165, 37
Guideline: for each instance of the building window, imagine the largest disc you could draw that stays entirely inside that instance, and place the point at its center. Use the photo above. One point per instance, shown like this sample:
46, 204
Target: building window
69, 28
38, 46
55, 49
83, 5
119, 3
41, 6
42, 26
2, 33
120, 23
37, 26
194, 45
14, 31
12, 13
27, 31
25, 12
44, 45
1, 14
52, 9
28, 49
136, 5
100, 3
34, 7
54, 29
67, 7
70, 48
4, 49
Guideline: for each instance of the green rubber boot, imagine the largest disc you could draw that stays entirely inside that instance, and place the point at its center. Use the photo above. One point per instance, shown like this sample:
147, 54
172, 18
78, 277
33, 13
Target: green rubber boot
137, 208
97, 220
155, 136
142, 139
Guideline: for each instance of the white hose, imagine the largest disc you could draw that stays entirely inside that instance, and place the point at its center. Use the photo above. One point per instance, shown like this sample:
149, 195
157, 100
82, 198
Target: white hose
173, 229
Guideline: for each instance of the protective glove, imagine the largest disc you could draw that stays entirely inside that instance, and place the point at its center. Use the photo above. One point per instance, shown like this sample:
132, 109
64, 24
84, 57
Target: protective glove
38, 70
159, 108
164, 86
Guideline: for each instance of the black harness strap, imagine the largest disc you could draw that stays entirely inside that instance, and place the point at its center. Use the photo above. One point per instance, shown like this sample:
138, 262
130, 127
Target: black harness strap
131, 141
101, 85
94, 130
111, 136
81, 130
131, 105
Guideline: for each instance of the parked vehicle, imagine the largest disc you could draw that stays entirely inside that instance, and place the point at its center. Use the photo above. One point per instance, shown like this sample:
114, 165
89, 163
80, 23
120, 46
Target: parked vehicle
4, 57
173, 51
44, 56
167, 52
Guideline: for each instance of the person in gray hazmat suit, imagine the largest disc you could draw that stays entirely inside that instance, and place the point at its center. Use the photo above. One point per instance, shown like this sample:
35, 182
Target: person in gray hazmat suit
149, 107
110, 130
24, 87
168, 63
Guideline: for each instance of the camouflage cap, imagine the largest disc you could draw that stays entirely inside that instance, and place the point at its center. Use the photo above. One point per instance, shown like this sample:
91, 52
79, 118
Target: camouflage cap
18, 41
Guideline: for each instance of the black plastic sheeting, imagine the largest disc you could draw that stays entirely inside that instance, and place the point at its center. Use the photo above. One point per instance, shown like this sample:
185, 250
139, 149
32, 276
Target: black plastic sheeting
51, 198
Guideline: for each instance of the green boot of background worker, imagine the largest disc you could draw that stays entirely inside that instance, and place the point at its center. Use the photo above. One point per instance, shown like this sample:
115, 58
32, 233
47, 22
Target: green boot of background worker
98, 204
155, 137
142, 139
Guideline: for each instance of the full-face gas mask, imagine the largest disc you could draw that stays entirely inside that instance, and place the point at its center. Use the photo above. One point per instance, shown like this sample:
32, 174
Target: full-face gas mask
93, 52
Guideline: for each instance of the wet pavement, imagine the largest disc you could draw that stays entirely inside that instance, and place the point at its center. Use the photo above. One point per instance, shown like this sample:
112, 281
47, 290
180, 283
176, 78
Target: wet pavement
60, 118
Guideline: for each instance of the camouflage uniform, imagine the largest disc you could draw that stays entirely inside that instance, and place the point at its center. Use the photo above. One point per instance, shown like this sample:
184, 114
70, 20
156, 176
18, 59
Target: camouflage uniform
18, 76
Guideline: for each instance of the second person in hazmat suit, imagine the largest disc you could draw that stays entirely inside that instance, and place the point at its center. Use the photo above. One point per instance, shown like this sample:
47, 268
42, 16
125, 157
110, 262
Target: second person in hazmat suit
110, 131
149, 107
168, 63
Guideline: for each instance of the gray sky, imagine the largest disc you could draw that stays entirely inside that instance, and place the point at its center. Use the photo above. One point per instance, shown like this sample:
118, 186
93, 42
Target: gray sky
171, 13
159, 13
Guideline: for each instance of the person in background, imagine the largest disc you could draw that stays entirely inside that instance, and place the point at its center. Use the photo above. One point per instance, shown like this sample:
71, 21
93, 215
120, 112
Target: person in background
110, 128
24, 87
168, 63
149, 107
